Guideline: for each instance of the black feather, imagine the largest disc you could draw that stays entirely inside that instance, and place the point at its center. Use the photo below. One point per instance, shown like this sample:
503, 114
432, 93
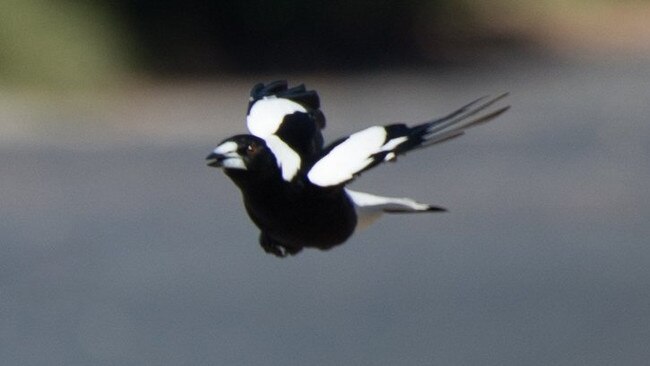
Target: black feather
299, 94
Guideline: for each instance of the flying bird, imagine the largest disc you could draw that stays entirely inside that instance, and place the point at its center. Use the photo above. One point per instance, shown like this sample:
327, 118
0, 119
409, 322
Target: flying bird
294, 187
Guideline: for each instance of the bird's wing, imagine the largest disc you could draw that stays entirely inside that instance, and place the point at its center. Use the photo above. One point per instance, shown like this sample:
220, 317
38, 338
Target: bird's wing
293, 114
370, 207
346, 158
290, 121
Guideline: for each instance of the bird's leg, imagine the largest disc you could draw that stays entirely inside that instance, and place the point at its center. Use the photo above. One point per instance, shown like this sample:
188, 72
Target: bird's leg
292, 250
276, 248
271, 246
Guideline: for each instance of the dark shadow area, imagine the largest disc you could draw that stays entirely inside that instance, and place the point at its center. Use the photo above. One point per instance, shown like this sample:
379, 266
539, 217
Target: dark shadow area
198, 37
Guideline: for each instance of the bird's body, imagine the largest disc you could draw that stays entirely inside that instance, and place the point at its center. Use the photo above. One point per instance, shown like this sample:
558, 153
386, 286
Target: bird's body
292, 216
294, 188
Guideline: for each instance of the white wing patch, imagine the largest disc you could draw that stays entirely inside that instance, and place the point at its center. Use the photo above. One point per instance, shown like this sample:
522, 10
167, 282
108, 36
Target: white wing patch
267, 114
370, 207
288, 160
352, 156
390, 145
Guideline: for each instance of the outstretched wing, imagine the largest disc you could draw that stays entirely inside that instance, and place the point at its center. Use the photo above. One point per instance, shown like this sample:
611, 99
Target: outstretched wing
290, 121
348, 157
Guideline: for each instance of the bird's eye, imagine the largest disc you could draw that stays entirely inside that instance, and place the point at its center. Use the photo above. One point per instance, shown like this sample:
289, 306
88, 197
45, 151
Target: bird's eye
251, 149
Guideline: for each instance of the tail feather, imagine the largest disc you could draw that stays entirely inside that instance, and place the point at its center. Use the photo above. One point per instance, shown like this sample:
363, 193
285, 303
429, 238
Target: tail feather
449, 127
370, 207
465, 112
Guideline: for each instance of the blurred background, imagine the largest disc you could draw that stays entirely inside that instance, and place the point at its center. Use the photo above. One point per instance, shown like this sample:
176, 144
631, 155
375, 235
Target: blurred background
118, 246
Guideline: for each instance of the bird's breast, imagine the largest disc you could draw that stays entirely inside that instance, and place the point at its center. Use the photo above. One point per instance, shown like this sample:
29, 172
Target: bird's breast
317, 219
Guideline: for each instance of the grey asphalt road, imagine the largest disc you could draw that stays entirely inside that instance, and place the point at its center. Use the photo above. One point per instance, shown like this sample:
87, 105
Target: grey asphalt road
120, 247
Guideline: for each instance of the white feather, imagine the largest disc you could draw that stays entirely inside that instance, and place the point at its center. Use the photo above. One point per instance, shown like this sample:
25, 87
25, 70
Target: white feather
370, 207
352, 156
391, 144
348, 158
267, 114
288, 160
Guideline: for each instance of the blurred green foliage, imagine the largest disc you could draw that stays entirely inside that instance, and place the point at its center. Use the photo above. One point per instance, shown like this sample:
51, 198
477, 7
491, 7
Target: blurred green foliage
71, 43
59, 43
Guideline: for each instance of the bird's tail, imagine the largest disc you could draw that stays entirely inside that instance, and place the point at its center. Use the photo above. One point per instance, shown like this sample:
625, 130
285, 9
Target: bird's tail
370, 207
448, 127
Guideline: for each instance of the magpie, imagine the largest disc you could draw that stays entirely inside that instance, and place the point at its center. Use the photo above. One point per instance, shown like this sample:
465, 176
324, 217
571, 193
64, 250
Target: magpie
294, 187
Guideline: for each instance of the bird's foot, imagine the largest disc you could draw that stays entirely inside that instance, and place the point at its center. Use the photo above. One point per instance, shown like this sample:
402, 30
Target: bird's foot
274, 247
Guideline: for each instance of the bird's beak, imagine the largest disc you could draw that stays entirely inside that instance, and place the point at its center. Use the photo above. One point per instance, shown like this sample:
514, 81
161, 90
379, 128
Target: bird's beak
226, 156
215, 160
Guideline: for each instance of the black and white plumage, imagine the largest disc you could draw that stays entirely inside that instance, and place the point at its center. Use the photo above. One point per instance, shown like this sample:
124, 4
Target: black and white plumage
289, 120
294, 188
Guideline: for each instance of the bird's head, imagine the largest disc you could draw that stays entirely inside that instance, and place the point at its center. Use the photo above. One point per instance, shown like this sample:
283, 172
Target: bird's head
244, 156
